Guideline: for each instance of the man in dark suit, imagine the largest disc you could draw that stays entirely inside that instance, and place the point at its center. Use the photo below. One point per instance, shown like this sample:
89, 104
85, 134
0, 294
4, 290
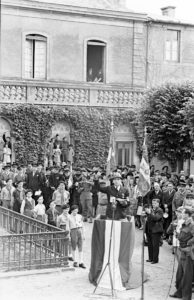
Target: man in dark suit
117, 196
155, 193
167, 201
33, 181
154, 230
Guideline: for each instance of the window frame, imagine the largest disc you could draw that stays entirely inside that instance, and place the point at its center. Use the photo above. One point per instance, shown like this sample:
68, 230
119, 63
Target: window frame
98, 42
39, 36
178, 31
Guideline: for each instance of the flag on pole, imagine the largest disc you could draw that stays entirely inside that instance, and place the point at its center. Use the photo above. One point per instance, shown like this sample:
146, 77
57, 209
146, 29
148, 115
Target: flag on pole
111, 163
70, 180
144, 171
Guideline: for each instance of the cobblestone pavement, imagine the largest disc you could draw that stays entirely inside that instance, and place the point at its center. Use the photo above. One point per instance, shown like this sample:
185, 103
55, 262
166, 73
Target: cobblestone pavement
74, 285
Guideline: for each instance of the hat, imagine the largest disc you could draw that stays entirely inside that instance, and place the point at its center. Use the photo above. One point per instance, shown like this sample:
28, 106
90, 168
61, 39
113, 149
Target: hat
182, 183
189, 195
65, 206
116, 176
61, 181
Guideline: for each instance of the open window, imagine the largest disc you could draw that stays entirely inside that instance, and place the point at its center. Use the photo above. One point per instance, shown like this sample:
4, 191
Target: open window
35, 56
96, 61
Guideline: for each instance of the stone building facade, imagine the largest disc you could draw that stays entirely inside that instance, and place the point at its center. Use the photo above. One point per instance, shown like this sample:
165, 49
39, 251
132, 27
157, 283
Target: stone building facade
69, 53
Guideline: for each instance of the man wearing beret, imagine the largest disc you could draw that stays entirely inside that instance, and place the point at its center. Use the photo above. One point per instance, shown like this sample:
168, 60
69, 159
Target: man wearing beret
118, 195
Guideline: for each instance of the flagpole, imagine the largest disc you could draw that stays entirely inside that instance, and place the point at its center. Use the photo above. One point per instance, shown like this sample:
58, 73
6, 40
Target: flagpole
143, 233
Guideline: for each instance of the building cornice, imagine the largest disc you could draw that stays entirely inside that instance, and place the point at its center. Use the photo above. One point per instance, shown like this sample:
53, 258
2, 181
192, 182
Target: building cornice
73, 10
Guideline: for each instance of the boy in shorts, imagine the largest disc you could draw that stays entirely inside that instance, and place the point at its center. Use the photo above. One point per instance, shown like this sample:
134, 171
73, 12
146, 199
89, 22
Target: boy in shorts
77, 236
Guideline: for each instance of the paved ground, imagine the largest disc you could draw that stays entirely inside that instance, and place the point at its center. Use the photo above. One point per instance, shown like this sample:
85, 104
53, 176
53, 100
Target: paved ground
74, 285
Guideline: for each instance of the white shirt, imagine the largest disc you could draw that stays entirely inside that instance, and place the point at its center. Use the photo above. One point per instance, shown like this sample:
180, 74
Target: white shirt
40, 209
75, 221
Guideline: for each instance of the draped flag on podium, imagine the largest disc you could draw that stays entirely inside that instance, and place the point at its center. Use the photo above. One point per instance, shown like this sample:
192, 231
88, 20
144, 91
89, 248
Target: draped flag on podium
144, 171
111, 163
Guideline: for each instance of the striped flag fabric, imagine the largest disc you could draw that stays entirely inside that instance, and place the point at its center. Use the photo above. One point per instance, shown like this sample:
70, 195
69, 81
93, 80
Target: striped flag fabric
111, 162
144, 171
123, 239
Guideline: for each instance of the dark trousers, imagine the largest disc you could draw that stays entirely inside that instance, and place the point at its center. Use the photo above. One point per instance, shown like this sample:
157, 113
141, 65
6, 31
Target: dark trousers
153, 245
184, 277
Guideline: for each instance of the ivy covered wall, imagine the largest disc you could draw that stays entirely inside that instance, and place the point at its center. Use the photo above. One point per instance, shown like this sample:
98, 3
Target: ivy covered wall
31, 126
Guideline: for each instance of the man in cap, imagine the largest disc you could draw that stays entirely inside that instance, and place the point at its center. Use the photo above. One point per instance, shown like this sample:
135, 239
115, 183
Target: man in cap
185, 271
118, 198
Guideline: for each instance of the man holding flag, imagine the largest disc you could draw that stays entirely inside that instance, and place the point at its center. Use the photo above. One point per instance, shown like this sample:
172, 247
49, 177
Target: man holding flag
143, 187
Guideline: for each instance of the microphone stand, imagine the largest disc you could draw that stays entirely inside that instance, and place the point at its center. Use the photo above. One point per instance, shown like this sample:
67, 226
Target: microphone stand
108, 264
142, 257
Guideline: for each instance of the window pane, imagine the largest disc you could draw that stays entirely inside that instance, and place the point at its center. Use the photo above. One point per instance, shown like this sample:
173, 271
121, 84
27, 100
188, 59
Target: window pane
172, 45
120, 156
95, 63
40, 60
127, 156
29, 59
175, 50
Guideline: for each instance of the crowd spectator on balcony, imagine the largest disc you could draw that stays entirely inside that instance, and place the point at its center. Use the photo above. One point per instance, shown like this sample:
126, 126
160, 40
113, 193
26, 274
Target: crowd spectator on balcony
90, 77
50, 148
6, 154
99, 76
52, 214
57, 155
28, 204
57, 142
64, 149
7, 194
60, 196
19, 196
71, 154
40, 210
7, 140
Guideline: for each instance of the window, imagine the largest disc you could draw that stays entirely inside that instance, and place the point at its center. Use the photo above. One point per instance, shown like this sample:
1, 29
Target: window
125, 153
95, 61
35, 56
172, 51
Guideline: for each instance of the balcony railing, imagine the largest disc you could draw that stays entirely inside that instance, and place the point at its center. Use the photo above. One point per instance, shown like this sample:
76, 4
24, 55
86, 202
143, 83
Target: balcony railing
69, 94
33, 244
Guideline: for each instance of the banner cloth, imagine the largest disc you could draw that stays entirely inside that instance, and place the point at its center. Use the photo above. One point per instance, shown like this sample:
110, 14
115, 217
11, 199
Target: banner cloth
122, 246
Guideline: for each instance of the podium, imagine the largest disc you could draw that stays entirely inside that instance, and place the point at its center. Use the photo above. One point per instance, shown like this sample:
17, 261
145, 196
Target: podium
122, 246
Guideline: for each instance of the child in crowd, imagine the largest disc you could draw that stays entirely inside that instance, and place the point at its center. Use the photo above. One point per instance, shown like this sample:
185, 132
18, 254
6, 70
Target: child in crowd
28, 204
77, 236
63, 223
40, 210
52, 214
63, 219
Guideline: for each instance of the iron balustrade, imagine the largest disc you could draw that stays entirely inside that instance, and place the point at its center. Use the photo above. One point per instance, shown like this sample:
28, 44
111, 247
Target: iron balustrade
14, 222
30, 244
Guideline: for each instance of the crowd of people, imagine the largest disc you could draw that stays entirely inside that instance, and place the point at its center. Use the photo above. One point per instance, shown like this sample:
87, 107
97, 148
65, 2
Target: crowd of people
66, 196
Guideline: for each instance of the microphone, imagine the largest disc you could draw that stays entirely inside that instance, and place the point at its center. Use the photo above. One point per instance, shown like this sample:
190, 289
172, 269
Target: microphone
113, 202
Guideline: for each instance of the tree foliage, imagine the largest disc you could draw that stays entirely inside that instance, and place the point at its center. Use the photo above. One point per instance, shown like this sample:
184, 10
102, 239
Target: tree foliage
166, 121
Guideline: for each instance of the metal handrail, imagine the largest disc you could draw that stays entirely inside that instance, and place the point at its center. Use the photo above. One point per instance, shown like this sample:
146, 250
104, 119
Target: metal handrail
30, 243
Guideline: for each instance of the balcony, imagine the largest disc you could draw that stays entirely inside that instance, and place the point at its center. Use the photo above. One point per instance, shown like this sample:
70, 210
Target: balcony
63, 94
